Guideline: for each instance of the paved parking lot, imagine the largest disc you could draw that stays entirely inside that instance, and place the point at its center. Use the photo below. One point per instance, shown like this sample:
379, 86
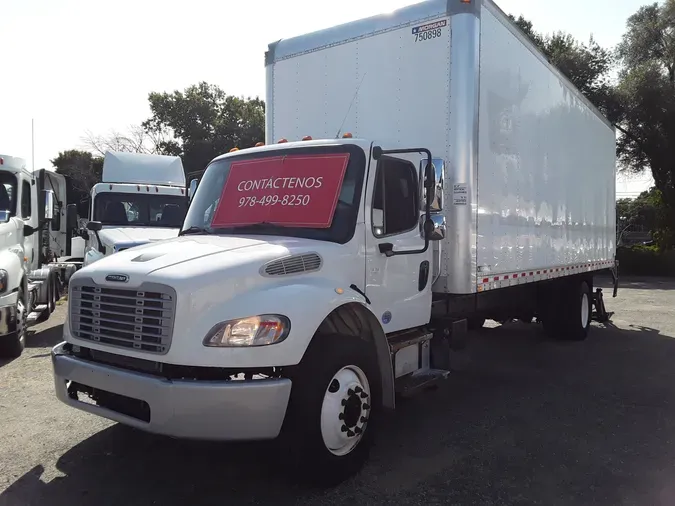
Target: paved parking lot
522, 420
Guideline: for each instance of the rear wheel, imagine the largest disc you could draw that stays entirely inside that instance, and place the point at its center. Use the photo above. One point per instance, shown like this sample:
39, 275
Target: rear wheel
12, 345
476, 323
569, 315
334, 402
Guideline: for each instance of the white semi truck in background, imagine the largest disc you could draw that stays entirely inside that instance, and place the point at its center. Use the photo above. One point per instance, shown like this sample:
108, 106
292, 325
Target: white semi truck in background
314, 280
141, 198
36, 228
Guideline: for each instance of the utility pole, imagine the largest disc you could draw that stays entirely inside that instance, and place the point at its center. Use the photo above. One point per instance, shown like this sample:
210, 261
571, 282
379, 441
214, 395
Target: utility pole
32, 141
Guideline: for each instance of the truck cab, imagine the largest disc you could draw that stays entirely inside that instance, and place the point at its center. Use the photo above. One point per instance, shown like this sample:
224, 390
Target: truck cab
36, 229
300, 267
141, 199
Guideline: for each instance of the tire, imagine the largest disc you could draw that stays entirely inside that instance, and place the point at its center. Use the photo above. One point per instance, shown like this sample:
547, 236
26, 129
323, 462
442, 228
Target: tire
327, 409
12, 345
571, 319
476, 323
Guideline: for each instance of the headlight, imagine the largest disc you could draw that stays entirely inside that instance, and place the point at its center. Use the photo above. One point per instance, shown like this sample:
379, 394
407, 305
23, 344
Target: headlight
4, 279
259, 330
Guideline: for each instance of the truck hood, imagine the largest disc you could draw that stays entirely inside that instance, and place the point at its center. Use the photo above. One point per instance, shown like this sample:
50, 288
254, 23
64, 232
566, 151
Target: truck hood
198, 260
132, 236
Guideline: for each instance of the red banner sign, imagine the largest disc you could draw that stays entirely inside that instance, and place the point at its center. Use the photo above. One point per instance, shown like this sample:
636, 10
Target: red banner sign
292, 191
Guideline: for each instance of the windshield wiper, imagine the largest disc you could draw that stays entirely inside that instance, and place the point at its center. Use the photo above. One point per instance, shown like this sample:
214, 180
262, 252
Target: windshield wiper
194, 230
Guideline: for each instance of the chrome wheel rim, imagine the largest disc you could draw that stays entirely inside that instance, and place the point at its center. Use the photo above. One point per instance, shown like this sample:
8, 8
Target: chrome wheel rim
584, 310
21, 318
345, 410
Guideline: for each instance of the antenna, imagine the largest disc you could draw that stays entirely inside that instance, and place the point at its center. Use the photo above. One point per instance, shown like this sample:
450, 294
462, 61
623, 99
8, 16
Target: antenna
32, 142
337, 135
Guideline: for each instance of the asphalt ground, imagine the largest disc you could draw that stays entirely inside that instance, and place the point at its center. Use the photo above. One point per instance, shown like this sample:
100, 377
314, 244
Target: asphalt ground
521, 420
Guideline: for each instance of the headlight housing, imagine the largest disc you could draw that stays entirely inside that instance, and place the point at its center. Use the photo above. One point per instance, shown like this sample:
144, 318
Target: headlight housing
261, 330
4, 280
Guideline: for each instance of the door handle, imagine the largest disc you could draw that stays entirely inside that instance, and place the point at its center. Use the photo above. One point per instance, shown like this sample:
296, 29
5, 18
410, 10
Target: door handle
387, 248
424, 275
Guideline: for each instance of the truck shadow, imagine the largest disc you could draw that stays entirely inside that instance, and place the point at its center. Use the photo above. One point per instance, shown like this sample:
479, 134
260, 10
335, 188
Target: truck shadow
522, 420
45, 338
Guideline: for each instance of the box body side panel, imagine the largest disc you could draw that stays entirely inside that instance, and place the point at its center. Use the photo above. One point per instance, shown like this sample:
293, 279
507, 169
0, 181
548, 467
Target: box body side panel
546, 170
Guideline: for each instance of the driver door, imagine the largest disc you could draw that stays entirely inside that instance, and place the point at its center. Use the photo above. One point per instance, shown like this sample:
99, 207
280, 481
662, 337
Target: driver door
399, 286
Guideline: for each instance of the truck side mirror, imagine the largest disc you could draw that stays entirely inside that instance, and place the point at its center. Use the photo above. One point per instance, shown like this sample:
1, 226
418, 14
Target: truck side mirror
193, 188
434, 228
49, 207
94, 226
71, 216
437, 192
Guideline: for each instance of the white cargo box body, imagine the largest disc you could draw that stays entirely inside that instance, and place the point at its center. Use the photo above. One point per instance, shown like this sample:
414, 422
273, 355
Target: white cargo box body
140, 168
529, 162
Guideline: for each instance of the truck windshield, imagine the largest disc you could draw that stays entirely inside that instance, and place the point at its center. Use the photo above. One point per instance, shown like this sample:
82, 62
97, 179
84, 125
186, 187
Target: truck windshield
139, 210
311, 192
7, 196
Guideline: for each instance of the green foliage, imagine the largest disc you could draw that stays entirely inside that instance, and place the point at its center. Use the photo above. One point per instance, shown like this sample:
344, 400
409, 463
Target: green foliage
203, 122
646, 261
646, 91
82, 171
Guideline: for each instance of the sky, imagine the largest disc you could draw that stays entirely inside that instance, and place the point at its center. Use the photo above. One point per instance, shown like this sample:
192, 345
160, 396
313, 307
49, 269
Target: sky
74, 66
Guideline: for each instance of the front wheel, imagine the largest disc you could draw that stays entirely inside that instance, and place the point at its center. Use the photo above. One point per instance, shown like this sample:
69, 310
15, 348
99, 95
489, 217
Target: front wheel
329, 425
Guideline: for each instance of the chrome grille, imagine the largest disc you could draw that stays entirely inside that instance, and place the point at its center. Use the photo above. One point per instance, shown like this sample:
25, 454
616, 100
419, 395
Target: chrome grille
295, 264
139, 318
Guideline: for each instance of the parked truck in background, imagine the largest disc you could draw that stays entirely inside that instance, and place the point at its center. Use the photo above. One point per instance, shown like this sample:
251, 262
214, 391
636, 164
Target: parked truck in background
140, 199
36, 228
454, 176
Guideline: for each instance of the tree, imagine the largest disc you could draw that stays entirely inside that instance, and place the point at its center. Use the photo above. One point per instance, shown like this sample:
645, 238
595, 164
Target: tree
203, 122
135, 140
646, 92
82, 171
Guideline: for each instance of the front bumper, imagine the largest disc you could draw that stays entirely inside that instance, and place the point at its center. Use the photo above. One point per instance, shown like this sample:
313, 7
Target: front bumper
7, 319
194, 409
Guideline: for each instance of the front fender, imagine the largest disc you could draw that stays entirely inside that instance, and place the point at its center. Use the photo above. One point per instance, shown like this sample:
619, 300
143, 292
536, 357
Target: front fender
306, 303
11, 260
91, 255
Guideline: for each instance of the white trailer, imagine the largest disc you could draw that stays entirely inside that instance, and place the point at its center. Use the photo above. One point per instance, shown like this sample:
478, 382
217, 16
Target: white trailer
454, 176
141, 198
36, 228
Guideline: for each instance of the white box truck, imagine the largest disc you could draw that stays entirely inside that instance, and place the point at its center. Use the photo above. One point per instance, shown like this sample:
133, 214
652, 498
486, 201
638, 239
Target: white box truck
36, 229
141, 198
453, 176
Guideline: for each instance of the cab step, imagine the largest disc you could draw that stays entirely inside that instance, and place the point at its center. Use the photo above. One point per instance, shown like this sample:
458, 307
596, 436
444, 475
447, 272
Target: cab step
421, 380
35, 314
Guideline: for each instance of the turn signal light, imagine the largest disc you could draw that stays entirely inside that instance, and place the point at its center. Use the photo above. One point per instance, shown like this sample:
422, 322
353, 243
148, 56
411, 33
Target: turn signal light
233, 150
282, 141
347, 136
307, 138
258, 144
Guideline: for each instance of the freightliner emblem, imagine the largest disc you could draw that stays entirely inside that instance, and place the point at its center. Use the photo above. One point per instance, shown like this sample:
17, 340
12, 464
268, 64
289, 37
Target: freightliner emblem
118, 278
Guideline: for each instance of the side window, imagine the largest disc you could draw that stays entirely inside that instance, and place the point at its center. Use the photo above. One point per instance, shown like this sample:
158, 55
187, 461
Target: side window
25, 199
56, 221
395, 197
